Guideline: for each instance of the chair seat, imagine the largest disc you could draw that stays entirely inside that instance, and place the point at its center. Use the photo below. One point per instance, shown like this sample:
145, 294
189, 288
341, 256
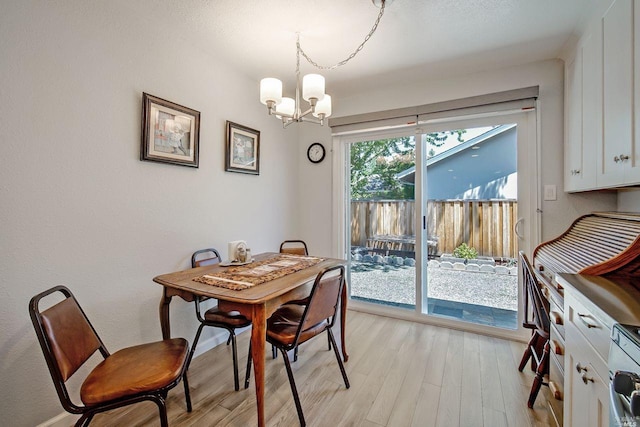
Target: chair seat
135, 370
230, 318
283, 325
303, 301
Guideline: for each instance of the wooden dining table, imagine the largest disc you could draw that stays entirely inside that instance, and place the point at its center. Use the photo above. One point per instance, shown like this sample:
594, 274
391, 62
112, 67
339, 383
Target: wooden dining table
257, 303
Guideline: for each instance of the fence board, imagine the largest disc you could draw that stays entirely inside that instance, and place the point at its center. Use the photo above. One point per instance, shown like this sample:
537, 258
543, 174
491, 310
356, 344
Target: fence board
486, 225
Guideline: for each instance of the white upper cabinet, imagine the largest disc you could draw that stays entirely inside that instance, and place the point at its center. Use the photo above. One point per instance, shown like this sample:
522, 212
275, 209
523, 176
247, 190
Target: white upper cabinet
615, 151
573, 112
584, 109
604, 130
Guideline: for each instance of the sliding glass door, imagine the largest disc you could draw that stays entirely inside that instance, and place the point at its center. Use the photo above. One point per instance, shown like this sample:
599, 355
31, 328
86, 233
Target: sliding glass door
435, 216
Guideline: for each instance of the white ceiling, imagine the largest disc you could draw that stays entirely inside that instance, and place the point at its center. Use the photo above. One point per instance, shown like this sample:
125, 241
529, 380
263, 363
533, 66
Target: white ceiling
416, 39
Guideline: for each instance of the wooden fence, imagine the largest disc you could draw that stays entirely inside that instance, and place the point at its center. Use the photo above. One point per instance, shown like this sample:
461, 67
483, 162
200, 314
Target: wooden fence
486, 225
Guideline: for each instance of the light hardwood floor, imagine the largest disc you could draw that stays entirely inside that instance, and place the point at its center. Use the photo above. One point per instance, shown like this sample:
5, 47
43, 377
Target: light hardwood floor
401, 373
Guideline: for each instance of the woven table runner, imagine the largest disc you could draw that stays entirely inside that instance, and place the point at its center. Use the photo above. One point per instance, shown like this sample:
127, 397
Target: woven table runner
259, 272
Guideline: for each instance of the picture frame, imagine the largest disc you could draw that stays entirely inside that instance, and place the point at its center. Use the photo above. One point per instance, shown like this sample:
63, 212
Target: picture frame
242, 149
170, 132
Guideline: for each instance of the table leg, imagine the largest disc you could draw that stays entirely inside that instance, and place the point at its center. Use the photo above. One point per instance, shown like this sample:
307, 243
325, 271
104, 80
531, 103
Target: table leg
343, 319
258, 337
164, 315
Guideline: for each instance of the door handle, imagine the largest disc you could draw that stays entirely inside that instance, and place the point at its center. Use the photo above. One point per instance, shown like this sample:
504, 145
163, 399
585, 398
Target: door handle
515, 228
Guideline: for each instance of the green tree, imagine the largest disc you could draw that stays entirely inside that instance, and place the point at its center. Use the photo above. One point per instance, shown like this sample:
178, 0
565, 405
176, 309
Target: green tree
375, 164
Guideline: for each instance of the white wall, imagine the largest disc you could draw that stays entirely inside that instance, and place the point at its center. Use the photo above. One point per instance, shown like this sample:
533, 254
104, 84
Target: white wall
78, 207
548, 75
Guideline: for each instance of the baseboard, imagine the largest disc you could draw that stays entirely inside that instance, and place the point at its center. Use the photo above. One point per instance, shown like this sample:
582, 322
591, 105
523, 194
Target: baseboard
64, 419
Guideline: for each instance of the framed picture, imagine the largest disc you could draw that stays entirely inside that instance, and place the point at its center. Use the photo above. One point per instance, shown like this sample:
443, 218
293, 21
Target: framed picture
243, 149
170, 132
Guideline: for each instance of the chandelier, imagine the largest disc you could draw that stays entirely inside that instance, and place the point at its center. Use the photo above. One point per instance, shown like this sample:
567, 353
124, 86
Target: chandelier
289, 110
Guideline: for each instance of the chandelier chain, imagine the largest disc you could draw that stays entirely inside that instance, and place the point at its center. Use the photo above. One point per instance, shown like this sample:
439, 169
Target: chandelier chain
344, 61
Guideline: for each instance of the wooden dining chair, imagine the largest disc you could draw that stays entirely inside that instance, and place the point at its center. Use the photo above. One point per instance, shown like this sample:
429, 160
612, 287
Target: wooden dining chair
215, 317
538, 347
295, 247
292, 325
128, 376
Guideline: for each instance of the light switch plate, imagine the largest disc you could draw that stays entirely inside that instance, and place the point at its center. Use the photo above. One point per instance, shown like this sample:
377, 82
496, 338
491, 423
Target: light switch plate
550, 192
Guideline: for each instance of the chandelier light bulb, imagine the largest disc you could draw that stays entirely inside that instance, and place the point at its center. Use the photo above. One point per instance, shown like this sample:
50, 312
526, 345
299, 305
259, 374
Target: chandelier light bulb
312, 87
270, 91
323, 107
286, 107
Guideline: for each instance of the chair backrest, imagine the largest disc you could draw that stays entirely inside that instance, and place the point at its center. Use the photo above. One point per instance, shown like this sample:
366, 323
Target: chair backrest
66, 337
533, 296
204, 257
295, 247
324, 299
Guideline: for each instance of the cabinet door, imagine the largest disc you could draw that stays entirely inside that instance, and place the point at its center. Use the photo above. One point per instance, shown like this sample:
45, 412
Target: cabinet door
617, 102
584, 112
591, 105
632, 171
586, 392
573, 140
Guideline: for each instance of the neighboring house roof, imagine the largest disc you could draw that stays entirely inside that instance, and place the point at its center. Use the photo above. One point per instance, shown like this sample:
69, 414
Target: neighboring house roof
485, 167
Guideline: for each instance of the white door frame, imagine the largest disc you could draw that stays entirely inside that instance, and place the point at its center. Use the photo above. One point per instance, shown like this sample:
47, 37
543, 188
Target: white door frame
528, 204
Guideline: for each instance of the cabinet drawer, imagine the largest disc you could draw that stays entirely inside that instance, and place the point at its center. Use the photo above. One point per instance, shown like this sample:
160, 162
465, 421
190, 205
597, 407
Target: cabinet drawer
557, 351
592, 323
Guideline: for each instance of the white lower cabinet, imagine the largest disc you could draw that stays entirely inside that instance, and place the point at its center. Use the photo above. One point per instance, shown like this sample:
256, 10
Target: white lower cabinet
587, 334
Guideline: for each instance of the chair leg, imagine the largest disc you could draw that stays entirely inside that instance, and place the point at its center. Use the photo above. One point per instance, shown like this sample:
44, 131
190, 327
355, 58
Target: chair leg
540, 372
85, 419
528, 352
274, 351
335, 350
295, 354
194, 345
294, 390
162, 409
235, 360
247, 375
229, 339
187, 395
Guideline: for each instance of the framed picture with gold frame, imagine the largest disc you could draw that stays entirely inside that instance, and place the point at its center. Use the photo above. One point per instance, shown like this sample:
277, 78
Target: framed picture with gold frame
170, 132
242, 149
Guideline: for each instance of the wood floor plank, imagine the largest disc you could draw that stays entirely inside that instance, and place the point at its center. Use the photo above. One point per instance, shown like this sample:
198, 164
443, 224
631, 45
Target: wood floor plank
426, 410
471, 398
386, 399
409, 393
401, 374
492, 397
438, 357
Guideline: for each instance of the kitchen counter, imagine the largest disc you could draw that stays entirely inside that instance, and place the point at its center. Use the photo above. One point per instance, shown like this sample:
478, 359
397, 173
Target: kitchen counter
617, 298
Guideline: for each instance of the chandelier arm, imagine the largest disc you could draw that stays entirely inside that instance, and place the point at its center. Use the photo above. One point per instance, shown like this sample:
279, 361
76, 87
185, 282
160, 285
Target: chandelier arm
350, 57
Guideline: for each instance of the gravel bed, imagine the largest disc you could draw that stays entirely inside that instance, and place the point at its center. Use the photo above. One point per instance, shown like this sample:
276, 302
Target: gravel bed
396, 284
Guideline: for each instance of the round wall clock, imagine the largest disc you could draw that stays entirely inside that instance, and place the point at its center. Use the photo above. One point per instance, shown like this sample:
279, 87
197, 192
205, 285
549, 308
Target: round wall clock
316, 152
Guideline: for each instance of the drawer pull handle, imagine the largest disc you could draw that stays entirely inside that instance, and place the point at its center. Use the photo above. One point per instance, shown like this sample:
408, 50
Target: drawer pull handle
586, 379
587, 324
557, 348
555, 390
556, 317
580, 368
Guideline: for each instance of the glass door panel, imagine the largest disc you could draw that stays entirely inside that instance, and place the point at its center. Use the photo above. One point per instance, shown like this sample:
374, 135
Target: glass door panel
382, 216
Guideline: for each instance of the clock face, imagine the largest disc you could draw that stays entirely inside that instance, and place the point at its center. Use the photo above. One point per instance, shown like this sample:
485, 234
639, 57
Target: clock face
316, 152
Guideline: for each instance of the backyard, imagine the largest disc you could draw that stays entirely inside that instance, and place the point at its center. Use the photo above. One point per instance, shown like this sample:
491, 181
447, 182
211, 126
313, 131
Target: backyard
487, 296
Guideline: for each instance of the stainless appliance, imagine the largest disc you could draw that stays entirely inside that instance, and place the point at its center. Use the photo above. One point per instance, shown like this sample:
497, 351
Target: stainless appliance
624, 375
